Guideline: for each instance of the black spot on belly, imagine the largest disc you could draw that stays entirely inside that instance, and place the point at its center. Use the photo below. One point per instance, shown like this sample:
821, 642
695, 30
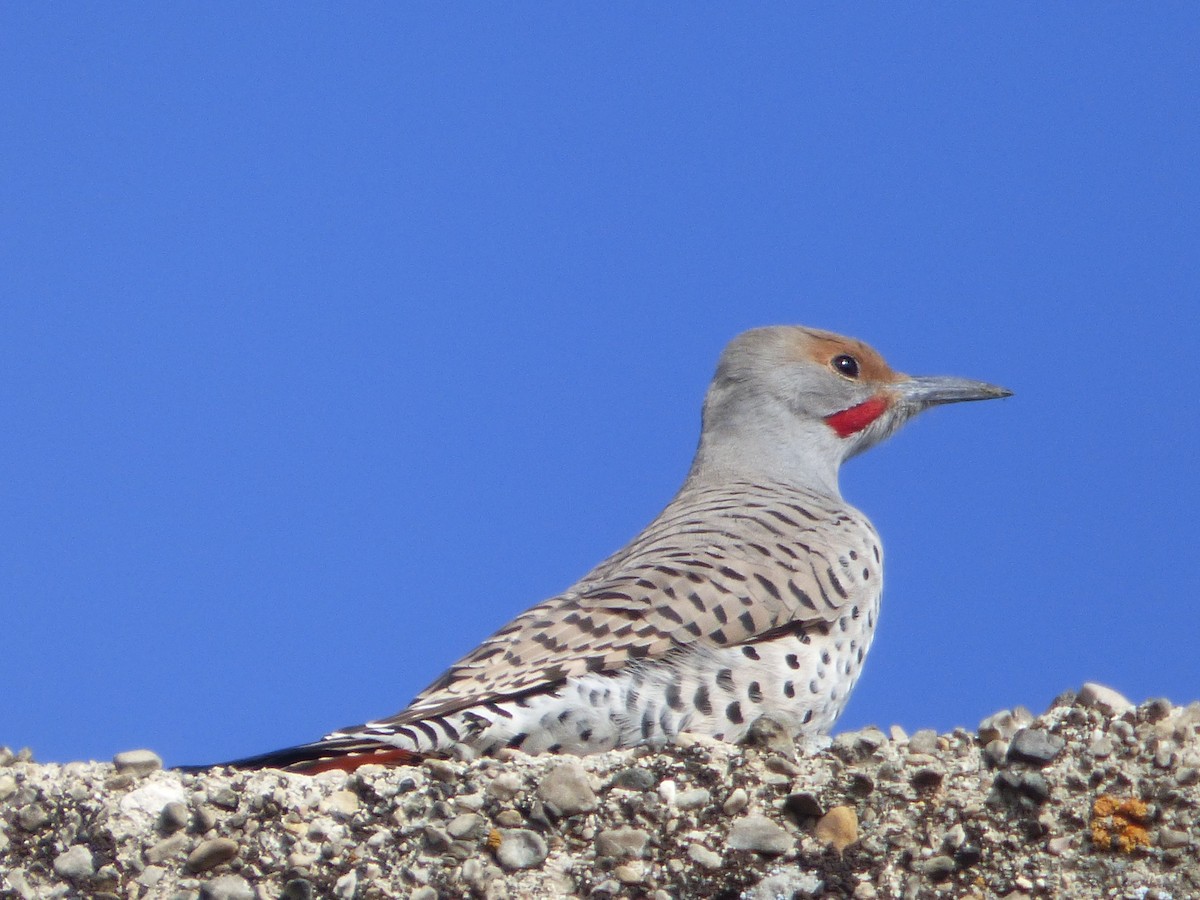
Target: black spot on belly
754, 692
789, 689
674, 699
734, 712
750, 653
792, 660
725, 680
808, 717
703, 703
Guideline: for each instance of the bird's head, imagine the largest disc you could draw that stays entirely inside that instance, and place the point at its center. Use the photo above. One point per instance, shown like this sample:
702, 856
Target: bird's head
793, 403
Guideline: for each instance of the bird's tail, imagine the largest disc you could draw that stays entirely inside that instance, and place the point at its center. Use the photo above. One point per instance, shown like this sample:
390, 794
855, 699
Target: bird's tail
343, 753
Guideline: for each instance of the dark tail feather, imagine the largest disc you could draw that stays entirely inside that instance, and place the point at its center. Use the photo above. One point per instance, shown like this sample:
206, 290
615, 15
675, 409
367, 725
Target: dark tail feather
320, 756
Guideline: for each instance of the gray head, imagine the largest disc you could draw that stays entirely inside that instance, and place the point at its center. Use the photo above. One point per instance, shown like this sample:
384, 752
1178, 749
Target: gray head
792, 404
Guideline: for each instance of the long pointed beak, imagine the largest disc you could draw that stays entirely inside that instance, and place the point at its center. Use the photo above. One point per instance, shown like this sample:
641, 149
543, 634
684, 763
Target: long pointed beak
923, 391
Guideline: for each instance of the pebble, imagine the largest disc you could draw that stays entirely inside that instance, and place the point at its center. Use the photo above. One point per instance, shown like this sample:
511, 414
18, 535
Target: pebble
737, 800
1004, 724
211, 853
618, 843
1172, 839
341, 803
1033, 745
693, 799
32, 817
936, 867
923, 741
791, 882
173, 817
521, 849
760, 834
702, 856
1105, 699
346, 886
466, 826
838, 828
8, 787
630, 873
567, 791
166, 848
227, 887
75, 862
635, 779
505, 786
137, 762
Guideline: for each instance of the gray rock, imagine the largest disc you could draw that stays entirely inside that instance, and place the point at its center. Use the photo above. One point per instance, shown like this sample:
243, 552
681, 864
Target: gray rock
166, 848
566, 790
737, 800
1172, 839
174, 817
635, 778
211, 854
1004, 724
1101, 748
760, 834
790, 882
467, 825
226, 887
693, 799
521, 849
995, 753
505, 786
32, 817
1104, 699
137, 762
75, 862
1033, 745
936, 868
704, 857
298, 889
621, 843
923, 741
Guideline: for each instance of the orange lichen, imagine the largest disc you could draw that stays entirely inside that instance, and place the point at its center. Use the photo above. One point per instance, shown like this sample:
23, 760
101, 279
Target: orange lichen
1119, 825
494, 839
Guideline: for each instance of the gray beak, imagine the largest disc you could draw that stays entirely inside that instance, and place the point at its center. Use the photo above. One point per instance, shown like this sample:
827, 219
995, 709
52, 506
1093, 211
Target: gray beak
923, 391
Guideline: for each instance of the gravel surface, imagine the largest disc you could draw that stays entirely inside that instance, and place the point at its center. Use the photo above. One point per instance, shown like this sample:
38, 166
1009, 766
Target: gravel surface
1093, 798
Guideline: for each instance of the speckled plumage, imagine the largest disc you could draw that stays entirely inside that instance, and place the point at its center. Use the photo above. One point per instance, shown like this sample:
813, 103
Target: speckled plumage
756, 591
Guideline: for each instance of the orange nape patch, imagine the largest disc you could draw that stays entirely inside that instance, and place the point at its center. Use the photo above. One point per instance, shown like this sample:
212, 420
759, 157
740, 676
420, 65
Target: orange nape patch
351, 761
822, 346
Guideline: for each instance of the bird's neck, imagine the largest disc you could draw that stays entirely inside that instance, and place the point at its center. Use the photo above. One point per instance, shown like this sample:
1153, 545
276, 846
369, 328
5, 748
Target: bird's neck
806, 459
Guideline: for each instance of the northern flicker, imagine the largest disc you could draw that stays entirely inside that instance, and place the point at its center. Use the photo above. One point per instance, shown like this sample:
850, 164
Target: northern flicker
755, 592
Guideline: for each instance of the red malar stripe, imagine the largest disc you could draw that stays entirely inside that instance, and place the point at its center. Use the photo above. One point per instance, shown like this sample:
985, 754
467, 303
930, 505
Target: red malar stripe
856, 418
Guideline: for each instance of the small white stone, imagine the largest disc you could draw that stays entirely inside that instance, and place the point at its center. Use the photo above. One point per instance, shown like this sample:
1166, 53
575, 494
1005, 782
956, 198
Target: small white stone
1104, 699
737, 800
347, 886
138, 762
702, 856
667, 791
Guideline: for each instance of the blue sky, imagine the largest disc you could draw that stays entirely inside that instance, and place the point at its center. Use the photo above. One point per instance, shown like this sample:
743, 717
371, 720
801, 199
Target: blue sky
332, 338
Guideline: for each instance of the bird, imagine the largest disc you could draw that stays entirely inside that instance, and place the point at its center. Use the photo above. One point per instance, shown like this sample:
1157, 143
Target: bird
754, 593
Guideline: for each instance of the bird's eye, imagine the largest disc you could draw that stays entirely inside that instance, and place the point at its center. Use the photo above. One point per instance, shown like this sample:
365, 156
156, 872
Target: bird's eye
845, 365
